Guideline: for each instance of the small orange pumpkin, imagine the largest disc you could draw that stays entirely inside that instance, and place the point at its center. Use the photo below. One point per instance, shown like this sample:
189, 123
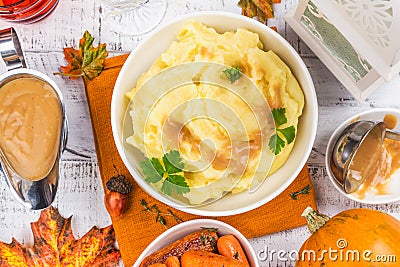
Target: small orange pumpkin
356, 237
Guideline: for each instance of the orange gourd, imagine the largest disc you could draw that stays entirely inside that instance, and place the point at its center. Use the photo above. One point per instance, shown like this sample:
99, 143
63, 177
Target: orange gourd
356, 237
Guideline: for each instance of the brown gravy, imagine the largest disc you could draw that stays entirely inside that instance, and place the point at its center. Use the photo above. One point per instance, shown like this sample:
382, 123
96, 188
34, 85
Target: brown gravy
237, 154
377, 162
364, 165
390, 121
30, 125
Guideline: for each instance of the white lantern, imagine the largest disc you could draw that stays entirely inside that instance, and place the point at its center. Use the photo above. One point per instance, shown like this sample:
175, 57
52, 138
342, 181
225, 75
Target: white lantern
358, 40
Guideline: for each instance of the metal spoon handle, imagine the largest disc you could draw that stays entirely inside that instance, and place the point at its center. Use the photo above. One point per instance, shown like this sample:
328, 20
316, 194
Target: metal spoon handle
392, 135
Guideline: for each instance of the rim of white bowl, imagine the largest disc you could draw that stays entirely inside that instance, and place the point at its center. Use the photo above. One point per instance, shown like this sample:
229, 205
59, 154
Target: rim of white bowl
329, 149
313, 129
201, 223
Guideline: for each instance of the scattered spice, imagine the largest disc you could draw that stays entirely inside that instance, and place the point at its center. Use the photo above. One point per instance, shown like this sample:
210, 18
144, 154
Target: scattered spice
203, 239
305, 191
214, 243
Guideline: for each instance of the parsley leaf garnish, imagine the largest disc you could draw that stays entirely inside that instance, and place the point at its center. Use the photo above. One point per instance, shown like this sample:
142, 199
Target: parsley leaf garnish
152, 169
173, 162
177, 183
276, 142
289, 133
233, 74
169, 169
279, 115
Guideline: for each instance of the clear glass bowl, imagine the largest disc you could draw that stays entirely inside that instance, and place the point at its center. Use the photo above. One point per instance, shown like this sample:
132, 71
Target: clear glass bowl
133, 17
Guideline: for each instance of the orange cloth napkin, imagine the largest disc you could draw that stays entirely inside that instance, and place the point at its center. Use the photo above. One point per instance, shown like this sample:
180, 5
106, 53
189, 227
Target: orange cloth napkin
135, 229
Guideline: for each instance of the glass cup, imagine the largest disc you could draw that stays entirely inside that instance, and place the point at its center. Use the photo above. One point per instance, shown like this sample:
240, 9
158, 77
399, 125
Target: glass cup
26, 11
133, 17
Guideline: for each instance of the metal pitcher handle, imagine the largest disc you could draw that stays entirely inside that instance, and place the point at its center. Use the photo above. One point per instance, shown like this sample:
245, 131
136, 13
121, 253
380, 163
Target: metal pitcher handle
10, 51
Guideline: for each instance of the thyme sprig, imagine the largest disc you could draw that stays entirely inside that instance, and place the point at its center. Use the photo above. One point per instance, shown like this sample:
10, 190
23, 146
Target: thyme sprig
177, 219
211, 229
153, 209
305, 191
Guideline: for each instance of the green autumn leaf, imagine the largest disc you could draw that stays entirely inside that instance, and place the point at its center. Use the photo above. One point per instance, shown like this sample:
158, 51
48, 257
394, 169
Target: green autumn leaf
86, 62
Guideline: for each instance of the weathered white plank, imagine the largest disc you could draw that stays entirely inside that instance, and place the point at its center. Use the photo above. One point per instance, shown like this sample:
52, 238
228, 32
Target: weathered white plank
71, 18
61, 28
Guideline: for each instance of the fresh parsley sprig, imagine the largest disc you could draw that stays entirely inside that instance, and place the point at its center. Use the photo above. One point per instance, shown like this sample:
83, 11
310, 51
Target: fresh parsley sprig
234, 73
276, 142
168, 170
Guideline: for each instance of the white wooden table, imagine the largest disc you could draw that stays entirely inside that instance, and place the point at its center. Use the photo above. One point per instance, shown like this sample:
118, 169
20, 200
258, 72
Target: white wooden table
80, 192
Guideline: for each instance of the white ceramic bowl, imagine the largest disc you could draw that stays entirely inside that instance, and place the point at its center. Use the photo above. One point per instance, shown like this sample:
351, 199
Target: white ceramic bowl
146, 52
394, 183
188, 227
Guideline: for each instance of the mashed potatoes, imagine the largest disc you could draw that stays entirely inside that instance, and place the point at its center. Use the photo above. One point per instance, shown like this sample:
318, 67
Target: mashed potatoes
208, 144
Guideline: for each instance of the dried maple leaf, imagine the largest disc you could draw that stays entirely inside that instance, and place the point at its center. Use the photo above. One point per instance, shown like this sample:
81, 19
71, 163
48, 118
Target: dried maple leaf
55, 245
88, 61
248, 8
258, 8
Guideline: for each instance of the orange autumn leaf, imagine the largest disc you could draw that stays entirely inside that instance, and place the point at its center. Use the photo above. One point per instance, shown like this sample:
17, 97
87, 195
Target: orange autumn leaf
248, 8
87, 61
258, 8
265, 6
55, 245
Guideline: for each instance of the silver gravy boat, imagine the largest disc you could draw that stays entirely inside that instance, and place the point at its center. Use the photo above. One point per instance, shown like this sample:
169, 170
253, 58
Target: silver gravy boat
38, 194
